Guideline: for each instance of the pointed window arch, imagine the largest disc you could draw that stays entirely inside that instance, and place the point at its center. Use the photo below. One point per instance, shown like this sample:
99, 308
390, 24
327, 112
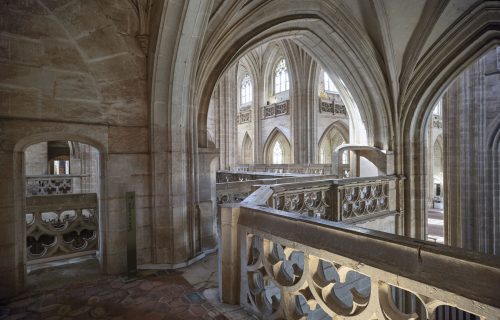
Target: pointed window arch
334, 136
277, 149
247, 150
246, 90
281, 82
278, 153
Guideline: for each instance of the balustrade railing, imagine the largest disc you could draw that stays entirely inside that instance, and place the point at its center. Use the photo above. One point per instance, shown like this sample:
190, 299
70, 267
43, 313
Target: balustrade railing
237, 191
61, 226
275, 110
286, 168
348, 200
53, 184
232, 176
281, 265
332, 108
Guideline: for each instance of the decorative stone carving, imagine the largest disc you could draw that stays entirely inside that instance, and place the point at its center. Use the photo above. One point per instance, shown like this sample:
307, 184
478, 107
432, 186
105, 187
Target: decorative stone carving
232, 197
49, 185
360, 200
333, 108
275, 110
142, 9
244, 117
60, 225
437, 122
311, 201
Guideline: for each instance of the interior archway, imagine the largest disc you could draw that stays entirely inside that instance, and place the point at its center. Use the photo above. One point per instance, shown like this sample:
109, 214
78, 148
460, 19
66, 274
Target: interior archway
333, 137
249, 38
459, 226
247, 150
277, 143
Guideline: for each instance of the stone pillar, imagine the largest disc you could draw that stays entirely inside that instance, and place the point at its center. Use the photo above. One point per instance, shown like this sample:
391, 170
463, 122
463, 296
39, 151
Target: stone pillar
207, 204
229, 255
225, 102
303, 98
12, 268
470, 118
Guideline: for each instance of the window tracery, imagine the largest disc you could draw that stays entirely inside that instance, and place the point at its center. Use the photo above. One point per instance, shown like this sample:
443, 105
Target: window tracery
278, 153
281, 82
246, 90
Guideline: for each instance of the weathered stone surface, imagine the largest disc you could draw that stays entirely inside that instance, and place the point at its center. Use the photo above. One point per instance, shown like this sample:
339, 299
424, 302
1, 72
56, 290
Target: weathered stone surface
123, 90
20, 50
62, 55
74, 86
101, 43
118, 67
19, 103
128, 140
33, 26
54, 4
80, 17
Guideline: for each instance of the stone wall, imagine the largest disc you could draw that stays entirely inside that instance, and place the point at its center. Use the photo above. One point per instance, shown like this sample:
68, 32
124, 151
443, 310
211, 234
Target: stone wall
36, 162
73, 70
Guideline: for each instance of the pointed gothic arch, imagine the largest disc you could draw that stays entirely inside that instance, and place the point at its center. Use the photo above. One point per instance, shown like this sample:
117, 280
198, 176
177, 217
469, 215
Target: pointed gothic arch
277, 141
246, 155
335, 135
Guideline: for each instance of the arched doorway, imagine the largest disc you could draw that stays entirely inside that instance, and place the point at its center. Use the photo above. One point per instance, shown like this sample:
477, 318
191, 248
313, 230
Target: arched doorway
61, 203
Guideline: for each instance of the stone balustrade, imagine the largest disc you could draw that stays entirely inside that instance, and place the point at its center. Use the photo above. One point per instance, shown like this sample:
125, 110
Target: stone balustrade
275, 110
334, 108
53, 184
232, 176
286, 168
237, 190
281, 265
349, 200
61, 226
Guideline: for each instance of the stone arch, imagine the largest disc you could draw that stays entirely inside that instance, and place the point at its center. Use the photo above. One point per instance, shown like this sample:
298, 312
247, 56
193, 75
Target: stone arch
357, 128
256, 27
338, 132
20, 142
174, 146
463, 43
247, 150
277, 136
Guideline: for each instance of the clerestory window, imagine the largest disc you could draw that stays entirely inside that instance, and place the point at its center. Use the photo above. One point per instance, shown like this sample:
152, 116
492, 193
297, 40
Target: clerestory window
329, 85
246, 90
281, 82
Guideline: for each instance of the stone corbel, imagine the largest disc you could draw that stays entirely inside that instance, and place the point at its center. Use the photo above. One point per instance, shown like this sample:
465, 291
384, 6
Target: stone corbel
142, 9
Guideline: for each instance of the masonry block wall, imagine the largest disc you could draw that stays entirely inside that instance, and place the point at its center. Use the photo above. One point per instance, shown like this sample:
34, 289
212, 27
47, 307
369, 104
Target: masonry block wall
73, 70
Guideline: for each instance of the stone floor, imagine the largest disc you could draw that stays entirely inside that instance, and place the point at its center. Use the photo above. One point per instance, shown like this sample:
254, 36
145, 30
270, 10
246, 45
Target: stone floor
435, 225
79, 291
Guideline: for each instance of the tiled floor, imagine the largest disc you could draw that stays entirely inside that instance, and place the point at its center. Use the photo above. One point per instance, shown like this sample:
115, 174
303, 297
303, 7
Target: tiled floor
79, 291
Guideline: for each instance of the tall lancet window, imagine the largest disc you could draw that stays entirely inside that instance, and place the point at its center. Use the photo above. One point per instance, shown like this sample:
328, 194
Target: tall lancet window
246, 90
278, 153
281, 77
329, 85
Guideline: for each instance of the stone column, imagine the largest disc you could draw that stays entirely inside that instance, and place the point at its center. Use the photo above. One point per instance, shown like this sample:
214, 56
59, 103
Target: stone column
303, 97
470, 116
229, 256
